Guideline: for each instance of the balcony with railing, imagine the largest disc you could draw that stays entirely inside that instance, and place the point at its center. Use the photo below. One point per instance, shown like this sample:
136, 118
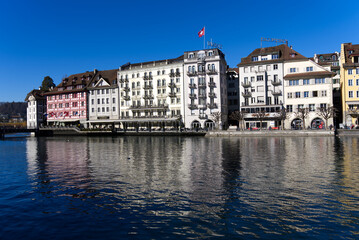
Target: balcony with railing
172, 94
148, 86
276, 82
192, 106
203, 116
201, 72
212, 95
126, 89
148, 96
149, 106
172, 85
202, 85
211, 72
147, 77
276, 92
202, 95
192, 73
212, 84
172, 74
126, 97
246, 84
178, 74
212, 105
192, 85
123, 80
192, 96
246, 94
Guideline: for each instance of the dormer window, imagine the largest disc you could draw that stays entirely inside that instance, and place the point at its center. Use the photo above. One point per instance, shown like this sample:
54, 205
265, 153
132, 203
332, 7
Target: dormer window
356, 59
275, 56
292, 55
255, 59
334, 57
210, 53
191, 55
351, 51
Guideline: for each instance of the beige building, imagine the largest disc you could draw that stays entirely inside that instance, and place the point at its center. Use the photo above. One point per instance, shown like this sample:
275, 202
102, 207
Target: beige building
349, 81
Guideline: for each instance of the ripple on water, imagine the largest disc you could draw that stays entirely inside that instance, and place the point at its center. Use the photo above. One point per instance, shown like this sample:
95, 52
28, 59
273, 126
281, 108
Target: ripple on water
158, 187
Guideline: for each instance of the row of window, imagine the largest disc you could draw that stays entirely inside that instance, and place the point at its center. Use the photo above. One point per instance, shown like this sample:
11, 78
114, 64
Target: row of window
311, 107
306, 81
307, 94
145, 74
72, 87
160, 83
200, 55
150, 102
265, 58
103, 91
104, 109
351, 94
66, 114
350, 82
67, 105
350, 71
66, 96
260, 68
103, 101
201, 68
294, 70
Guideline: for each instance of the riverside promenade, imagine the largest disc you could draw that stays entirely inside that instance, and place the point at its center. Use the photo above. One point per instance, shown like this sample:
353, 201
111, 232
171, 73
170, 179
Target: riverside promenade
271, 133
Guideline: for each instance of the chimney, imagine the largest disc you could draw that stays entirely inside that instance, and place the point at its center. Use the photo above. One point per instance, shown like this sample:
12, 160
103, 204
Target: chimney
95, 71
291, 47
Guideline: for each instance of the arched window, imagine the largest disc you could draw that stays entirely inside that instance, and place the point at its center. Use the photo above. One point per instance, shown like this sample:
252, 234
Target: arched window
189, 68
213, 67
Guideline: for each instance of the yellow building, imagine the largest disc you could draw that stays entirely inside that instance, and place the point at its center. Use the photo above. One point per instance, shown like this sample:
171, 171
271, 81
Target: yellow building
349, 82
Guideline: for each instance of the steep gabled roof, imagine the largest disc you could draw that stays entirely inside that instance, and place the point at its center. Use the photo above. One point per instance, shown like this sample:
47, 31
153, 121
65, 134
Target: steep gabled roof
38, 94
110, 76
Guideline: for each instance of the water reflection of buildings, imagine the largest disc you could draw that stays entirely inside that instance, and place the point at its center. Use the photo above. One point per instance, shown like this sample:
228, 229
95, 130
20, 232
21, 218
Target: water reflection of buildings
58, 159
348, 167
158, 170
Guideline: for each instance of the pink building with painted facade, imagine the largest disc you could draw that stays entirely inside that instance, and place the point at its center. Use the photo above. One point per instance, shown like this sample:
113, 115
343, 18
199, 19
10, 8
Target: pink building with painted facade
67, 102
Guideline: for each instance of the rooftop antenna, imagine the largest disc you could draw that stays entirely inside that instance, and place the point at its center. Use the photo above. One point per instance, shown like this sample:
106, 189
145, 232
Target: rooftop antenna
276, 40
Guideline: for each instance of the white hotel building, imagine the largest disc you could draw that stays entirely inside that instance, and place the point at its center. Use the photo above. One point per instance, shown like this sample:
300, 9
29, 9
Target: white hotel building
151, 94
205, 88
183, 91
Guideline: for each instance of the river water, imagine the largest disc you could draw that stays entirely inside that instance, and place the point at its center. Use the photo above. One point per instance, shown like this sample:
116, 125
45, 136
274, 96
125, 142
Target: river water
174, 187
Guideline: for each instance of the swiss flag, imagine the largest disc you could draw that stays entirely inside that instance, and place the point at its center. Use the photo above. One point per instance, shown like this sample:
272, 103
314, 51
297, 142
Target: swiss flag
201, 33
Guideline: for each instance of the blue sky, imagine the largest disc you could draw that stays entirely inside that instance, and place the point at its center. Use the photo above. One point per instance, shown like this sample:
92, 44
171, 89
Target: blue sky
59, 38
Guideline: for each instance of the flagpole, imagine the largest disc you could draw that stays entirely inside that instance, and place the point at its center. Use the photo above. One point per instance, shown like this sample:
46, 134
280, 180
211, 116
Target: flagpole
204, 39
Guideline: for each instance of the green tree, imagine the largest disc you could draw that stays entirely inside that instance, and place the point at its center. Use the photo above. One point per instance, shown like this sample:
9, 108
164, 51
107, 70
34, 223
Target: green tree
47, 83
